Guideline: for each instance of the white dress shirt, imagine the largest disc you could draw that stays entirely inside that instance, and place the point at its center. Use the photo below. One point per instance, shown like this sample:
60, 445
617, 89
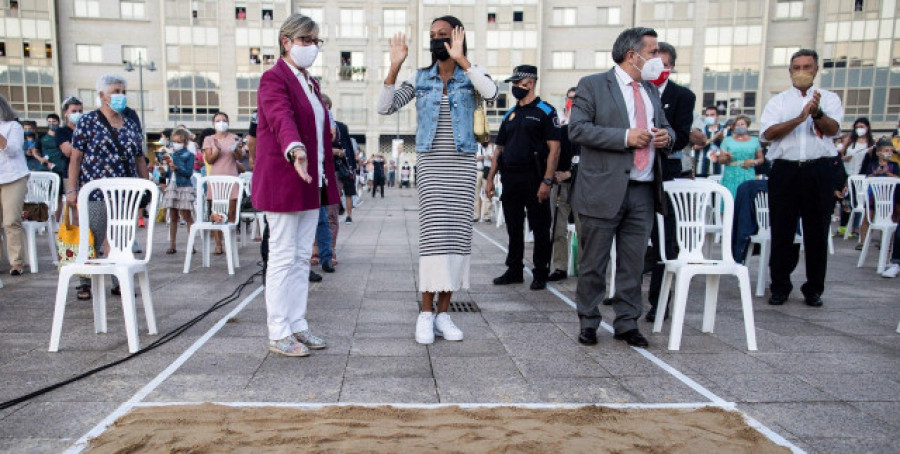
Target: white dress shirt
12, 158
319, 112
628, 93
802, 143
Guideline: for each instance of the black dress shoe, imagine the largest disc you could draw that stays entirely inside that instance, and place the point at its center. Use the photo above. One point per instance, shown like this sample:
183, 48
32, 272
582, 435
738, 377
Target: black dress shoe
557, 275
538, 284
314, 277
588, 336
633, 337
327, 267
509, 277
813, 300
777, 300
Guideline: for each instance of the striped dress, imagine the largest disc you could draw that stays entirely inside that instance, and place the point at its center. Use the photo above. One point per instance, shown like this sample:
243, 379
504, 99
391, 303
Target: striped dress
445, 180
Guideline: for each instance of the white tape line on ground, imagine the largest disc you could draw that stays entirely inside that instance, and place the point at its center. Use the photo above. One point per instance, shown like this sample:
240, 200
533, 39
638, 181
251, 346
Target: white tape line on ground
716, 400
534, 406
101, 427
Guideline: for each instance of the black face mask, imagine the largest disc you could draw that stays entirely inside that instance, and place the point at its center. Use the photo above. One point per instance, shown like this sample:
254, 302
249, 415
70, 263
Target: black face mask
520, 93
438, 50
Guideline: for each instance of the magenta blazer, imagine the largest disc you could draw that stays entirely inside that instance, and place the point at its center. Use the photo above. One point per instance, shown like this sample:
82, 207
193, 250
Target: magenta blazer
285, 115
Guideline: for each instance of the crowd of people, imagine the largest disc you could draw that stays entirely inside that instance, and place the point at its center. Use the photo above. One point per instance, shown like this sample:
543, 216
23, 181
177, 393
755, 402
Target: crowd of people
598, 163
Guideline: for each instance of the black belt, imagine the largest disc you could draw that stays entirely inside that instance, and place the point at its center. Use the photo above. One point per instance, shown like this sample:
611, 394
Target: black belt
803, 163
638, 183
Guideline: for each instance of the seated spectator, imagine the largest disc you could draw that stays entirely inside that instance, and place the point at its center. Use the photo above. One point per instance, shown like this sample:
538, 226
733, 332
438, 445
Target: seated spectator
882, 167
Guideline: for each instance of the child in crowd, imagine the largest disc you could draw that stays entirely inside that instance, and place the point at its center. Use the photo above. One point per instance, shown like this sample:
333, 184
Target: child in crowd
180, 191
880, 167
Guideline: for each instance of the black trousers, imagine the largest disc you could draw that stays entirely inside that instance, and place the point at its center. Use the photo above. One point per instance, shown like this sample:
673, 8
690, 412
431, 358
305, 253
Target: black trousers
800, 193
376, 185
519, 199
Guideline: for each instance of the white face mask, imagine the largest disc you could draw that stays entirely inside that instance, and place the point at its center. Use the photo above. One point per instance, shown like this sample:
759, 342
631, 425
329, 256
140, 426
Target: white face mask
304, 56
177, 146
652, 68
861, 131
839, 146
221, 126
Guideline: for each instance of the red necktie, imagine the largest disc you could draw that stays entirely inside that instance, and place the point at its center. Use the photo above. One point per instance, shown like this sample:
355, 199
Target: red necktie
641, 155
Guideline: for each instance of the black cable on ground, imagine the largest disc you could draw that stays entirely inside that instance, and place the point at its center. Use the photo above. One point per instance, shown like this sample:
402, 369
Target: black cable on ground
165, 338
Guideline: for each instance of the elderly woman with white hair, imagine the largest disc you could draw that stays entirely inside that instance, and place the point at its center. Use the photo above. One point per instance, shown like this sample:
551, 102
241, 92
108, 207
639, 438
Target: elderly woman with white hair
105, 144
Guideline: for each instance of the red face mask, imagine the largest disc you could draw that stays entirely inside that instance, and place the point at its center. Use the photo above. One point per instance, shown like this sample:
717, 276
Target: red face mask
569, 103
663, 77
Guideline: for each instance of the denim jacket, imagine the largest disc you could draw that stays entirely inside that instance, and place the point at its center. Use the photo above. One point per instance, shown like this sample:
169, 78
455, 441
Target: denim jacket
184, 160
461, 93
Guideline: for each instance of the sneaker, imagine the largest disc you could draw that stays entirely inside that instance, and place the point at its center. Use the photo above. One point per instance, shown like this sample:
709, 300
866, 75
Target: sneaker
891, 271
288, 347
487, 221
842, 231
310, 341
349, 220
444, 327
425, 328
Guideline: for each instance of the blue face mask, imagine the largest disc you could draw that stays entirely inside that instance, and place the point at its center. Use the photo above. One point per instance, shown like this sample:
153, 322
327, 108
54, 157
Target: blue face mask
118, 102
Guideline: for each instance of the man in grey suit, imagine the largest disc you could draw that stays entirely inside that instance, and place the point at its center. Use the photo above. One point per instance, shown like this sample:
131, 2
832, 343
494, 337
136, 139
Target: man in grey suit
618, 120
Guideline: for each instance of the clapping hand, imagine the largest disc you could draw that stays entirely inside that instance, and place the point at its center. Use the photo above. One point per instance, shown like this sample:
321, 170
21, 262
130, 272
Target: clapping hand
812, 107
660, 138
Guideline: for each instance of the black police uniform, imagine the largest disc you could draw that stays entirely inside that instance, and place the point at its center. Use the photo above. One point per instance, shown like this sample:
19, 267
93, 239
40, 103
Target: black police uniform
523, 135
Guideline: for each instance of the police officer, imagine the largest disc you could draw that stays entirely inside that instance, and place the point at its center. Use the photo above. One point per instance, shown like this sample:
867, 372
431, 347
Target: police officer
526, 156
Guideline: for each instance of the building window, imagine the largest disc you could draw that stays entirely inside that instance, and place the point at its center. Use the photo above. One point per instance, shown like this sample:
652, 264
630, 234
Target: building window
893, 104
511, 39
781, 56
792, 9
353, 23
240, 13
564, 60
603, 59
352, 108
88, 53
247, 85
352, 66
609, 15
856, 102
858, 5
564, 16
131, 9
394, 22
678, 37
518, 16
316, 15
48, 50
267, 15
2, 49
87, 8
192, 96
732, 103
26, 49
492, 18
130, 54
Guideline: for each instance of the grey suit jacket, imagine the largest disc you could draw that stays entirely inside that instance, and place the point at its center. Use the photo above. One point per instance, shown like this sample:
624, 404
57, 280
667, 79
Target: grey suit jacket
598, 122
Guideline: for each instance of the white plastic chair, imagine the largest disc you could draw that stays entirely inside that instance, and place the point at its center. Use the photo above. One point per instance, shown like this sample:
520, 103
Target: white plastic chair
43, 187
251, 219
857, 189
714, 219
220, 187
691, 200
882, 189
497, 205
122, 197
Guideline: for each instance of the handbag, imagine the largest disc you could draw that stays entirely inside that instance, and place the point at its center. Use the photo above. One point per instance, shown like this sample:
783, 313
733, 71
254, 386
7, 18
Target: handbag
480, 121
67, 241
35, 212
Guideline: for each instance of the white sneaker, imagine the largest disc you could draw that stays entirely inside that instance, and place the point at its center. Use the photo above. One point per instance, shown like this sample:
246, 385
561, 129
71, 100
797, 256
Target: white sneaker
891, 271
445, 328
425, 328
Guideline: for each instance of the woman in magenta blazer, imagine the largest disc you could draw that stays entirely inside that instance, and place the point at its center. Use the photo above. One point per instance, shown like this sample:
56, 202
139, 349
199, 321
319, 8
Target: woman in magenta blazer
290, 183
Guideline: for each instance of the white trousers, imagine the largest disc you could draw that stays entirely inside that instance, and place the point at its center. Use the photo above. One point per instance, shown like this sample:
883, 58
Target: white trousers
291, 236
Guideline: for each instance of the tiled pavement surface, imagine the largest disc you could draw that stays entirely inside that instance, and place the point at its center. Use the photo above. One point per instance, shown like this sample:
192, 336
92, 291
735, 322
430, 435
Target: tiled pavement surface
826, 379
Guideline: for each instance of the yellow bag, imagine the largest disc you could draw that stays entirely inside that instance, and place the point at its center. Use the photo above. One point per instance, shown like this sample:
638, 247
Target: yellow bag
67, 241
480, 121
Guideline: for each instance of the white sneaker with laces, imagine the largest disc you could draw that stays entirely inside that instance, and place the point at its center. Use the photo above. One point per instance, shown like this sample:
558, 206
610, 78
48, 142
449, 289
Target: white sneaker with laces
891, 271
425, 328
444, 327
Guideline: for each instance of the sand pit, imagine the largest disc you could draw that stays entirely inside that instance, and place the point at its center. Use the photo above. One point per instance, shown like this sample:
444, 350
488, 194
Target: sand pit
356, 429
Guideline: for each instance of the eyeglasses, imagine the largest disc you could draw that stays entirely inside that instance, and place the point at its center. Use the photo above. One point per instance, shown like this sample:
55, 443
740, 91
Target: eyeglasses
309, 40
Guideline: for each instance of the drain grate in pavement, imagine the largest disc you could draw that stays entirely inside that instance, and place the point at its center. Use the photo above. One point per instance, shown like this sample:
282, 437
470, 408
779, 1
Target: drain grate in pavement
463, 306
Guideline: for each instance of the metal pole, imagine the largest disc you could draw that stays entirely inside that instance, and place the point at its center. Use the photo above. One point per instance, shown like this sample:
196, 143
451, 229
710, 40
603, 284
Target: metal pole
141, 94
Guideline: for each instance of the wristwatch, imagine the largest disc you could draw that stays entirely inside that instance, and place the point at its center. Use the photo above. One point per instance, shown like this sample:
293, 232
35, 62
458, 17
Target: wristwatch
547, 181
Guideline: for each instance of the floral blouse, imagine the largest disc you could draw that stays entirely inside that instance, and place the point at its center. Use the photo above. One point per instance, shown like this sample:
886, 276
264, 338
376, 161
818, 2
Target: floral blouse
102, 158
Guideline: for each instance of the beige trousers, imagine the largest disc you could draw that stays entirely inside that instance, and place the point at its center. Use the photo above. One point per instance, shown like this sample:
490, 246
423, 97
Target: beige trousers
12, 199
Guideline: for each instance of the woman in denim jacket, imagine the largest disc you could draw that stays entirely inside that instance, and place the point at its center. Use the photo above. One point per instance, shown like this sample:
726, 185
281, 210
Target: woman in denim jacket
180, 193
445, 103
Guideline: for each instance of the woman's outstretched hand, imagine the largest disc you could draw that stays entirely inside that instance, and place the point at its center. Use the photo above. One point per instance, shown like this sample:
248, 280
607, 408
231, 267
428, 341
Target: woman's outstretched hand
301, 164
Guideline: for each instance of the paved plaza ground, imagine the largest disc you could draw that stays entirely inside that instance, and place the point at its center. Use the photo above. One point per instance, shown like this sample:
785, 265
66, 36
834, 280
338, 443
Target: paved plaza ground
825, 379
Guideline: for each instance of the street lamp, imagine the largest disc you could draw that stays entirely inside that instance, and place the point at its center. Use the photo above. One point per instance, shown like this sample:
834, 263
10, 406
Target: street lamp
150, 67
